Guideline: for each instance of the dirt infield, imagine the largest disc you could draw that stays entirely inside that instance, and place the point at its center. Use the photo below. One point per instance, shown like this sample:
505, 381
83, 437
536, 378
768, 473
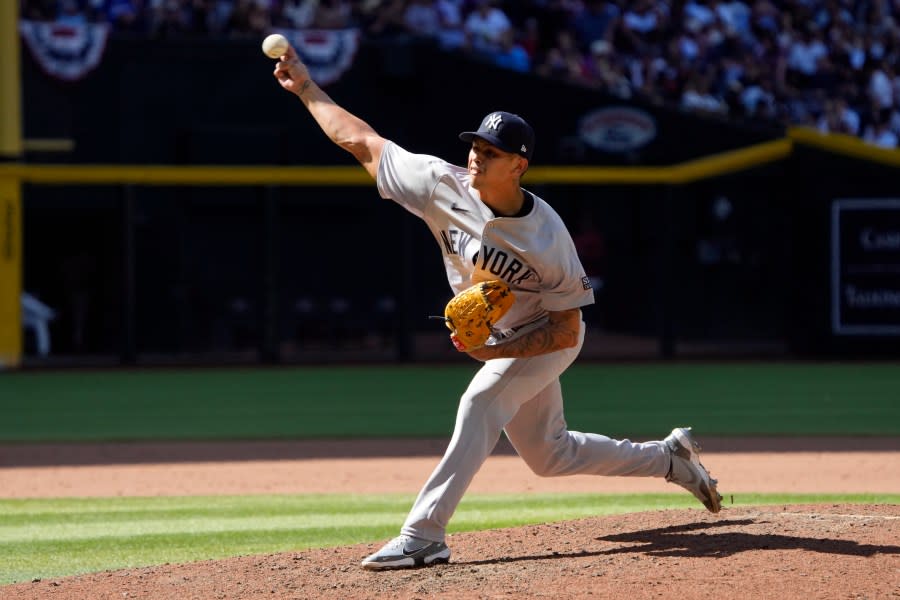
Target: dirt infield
816, 551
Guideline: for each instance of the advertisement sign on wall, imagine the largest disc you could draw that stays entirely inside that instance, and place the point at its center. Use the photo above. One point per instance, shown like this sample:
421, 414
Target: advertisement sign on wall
617, 129
865, 266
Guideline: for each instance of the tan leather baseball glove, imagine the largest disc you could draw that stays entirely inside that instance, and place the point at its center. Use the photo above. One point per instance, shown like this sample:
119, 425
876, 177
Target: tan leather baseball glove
471, 314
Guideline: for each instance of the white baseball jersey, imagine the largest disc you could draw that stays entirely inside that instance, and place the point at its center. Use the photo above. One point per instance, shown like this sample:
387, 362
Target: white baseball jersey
532, 252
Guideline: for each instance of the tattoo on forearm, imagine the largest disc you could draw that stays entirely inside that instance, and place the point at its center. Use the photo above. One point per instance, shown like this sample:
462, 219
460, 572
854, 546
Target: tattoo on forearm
304, 86
540, 341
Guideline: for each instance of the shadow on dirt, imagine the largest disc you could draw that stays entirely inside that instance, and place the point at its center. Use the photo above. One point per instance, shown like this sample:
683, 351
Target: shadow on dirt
700, 540
693, 539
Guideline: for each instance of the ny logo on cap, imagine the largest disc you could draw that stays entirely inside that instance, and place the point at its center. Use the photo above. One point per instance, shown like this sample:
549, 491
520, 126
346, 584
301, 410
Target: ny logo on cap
493, 121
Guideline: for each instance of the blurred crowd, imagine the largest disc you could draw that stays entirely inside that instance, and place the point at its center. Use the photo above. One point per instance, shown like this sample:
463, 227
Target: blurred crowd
829, 64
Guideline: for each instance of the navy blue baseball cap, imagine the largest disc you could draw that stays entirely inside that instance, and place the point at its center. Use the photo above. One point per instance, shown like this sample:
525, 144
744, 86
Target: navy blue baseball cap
505, 130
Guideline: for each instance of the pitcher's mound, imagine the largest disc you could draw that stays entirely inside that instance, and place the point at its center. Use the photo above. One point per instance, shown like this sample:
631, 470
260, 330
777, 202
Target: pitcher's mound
784, 552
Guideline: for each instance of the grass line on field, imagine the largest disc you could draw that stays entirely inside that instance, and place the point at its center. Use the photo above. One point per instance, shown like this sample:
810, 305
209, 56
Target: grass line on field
58, 537
637, 400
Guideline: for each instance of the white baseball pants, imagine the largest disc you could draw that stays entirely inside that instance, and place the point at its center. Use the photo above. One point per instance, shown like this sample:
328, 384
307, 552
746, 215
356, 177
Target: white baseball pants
501, 397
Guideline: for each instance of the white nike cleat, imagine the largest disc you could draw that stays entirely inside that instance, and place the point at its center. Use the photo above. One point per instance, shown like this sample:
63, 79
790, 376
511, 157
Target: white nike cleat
405, 552
687, 471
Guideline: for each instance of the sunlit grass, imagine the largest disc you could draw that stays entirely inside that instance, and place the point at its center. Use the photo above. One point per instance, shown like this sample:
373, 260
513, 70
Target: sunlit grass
58, 537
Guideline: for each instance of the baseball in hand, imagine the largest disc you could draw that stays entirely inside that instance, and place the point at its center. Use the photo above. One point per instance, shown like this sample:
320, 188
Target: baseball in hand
275, 45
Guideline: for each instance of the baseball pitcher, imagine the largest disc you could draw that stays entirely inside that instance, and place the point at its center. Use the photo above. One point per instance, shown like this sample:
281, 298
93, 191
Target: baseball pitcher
512, 265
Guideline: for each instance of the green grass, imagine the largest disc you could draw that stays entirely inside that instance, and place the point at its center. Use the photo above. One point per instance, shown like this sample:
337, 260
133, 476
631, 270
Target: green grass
57, 537
379, 401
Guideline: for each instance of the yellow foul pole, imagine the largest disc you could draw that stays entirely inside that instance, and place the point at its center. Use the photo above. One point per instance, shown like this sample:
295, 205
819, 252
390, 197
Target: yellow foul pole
10, 188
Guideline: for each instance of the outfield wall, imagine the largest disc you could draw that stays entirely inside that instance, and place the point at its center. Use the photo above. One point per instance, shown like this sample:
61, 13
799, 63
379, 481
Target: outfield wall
716, 239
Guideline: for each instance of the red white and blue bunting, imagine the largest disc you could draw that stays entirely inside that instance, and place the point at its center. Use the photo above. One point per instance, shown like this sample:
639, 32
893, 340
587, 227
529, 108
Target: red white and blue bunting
327, 53
65, 51
71, 51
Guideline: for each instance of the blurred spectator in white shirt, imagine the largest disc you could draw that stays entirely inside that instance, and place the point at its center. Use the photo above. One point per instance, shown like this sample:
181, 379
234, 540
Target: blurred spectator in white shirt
894, 122
757, 98
511, 55
485, 26
880, 87
594, 21
838, 117
735, 16
602, 71
698, 97
451, 34
644, 74
642, 26
298, 14
687, 48
643, 17
879, 133
803, 56
698, 14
